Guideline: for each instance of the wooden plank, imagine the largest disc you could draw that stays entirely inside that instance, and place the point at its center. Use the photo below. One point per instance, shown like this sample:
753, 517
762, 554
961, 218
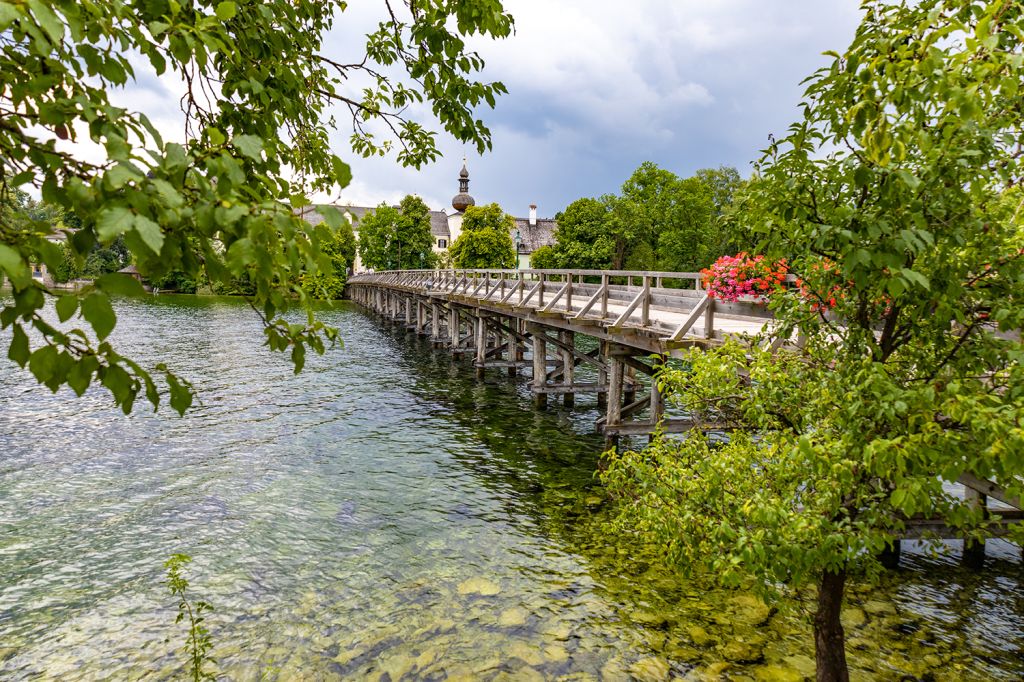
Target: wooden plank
566, 389
621, 319
645, 429
989, 488
694, 315
917, 528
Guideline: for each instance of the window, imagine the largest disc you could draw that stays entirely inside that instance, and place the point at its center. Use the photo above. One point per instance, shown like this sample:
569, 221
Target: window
442, 243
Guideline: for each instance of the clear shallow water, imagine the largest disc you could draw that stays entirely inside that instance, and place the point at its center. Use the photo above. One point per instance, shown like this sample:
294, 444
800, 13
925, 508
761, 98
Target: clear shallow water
383, 513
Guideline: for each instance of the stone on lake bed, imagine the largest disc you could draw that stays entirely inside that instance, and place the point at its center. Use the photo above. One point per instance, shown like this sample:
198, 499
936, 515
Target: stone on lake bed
742, 652
745, 609
556, 653
774, 672
526, 652
481, 586
699, 636
878, 608
853, 617
513, 617
651, 668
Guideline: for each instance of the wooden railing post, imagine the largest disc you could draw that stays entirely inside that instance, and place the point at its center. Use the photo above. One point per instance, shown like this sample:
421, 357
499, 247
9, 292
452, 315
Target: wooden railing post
645, 306
709, 319
604, 296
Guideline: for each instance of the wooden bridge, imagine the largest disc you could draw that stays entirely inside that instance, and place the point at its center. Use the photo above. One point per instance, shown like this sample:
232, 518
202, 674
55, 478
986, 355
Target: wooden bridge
530, 318
515, 319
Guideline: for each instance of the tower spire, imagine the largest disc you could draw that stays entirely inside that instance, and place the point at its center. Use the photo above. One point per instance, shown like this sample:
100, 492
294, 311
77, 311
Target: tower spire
462, 200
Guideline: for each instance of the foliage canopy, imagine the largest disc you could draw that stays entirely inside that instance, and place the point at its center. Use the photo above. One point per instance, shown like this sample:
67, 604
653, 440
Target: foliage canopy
659, 221
397, 238
899, 181
486, 239
258, 87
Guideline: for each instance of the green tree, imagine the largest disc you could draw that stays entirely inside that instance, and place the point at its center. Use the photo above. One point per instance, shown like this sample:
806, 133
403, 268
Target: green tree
397, 238
891, 196
69, 267
219, 207
544, 258
486, 239
582, 238
731, 233
662, 222
328, 282
658, 222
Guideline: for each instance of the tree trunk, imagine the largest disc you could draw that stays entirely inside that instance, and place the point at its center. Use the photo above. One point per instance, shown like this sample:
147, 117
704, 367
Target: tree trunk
829, 639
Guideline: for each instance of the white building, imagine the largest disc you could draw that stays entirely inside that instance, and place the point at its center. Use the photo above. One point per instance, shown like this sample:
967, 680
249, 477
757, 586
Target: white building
528, 234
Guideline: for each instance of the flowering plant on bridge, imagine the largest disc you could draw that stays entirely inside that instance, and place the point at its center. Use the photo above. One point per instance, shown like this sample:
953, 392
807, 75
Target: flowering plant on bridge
731, 277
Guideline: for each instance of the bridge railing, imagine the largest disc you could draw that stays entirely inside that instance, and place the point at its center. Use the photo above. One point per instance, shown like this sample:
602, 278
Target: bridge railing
672, 302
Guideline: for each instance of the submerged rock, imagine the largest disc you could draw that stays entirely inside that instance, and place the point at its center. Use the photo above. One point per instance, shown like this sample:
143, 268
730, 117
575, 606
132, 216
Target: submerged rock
853, 617
513, 617
556, 653
525, 652
879, 608
700, 636
746, 610
742, 652
481, 586
651, 668
774, 672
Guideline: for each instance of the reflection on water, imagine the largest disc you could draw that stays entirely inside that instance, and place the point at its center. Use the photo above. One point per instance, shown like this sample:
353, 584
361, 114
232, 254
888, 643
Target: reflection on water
384, 514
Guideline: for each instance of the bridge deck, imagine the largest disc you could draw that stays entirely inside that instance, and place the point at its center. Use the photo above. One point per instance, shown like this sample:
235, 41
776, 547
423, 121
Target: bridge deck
656, 312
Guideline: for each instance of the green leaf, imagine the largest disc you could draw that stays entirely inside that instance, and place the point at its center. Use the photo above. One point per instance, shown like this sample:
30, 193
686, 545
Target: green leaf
11, 262
909, 179
119, 176
8, 15
916, 278
80, 375
96, 309
19, 349
120, 284
181, 394
150, 233
43, 362
66, 306
226, 10
48, 21
112, 222
250, 146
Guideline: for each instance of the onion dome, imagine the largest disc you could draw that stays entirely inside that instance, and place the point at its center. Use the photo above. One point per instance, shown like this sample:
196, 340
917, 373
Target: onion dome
462, 200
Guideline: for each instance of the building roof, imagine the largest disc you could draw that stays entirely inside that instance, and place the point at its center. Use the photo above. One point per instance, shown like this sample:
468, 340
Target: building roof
532, 237
311, 214
439, 224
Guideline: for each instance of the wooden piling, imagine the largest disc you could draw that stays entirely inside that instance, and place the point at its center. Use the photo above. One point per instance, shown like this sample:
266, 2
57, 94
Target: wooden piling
540, 369
613, 416
480, 343
974, 550
568, 366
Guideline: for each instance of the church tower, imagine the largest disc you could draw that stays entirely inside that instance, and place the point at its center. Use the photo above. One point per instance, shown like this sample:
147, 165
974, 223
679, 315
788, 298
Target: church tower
462, 200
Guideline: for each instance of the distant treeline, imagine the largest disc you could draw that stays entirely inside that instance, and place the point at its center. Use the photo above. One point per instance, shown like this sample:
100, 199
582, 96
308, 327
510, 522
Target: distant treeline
658, 221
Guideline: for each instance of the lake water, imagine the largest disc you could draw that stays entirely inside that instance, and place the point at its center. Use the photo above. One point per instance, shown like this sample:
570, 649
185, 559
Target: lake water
383, 515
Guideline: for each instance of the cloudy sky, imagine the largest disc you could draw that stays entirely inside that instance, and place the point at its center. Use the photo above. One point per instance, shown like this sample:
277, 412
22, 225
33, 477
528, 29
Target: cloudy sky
598, 86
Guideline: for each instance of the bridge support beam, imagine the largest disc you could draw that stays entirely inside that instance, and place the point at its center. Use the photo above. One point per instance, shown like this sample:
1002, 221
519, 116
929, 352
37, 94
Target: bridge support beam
540, 364
480, 343
613, 416
568, 365
974, 550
